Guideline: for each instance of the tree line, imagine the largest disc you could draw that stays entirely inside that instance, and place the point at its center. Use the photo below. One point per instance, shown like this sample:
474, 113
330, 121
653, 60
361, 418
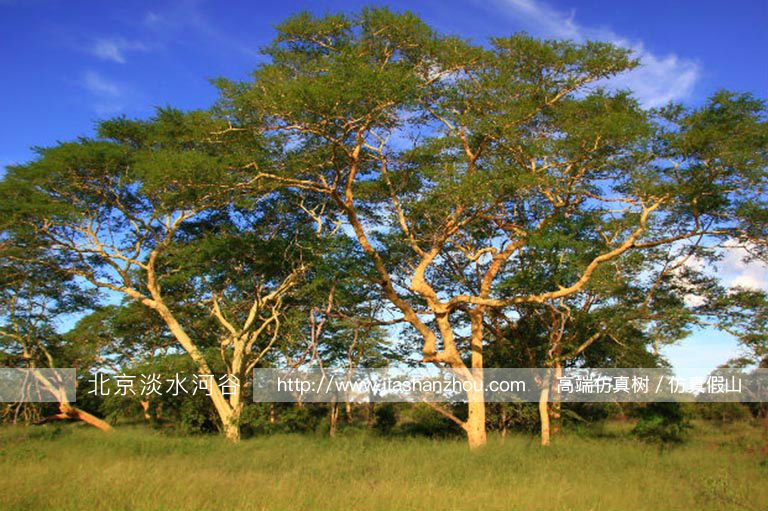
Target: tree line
380, 193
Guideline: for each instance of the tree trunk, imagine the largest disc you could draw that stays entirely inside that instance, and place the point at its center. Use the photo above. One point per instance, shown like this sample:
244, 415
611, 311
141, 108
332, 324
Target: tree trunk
348, 410
544, 414
71, 413
145, 406
475, 425
334, 417
231, 424
556, 403
503, 421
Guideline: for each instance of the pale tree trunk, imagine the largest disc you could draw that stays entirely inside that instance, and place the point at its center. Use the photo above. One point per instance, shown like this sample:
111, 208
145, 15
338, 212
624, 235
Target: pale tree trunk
475, 425
145, 407
229, 415
232, 426
86, 417
232, 431
348, 410
544, 413
68, 412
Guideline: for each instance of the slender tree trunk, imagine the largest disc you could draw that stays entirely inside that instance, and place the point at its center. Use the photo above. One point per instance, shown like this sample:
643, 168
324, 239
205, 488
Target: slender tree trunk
145, 406
503, 421
334, 417
544, 414
556, 403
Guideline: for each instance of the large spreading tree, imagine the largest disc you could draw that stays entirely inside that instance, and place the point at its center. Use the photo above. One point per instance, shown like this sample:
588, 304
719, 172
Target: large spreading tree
453, 164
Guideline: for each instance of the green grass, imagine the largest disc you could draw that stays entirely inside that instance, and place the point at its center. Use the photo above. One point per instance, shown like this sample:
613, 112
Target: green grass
76, 468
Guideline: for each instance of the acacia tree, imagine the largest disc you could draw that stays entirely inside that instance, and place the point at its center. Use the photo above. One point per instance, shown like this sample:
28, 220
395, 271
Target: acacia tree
33, 297
451, 162
150, 210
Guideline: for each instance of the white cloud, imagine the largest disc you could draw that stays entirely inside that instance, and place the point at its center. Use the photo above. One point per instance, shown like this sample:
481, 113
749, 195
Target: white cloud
659, 79
736, 272
109, 95
100, 86
115, 48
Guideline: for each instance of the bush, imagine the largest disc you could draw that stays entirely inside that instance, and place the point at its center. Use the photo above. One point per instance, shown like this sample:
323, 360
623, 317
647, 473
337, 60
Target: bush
723, 412
386, 418
662, 423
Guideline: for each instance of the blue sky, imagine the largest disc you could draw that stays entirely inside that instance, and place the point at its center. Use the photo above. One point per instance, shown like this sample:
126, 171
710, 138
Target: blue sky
68, 63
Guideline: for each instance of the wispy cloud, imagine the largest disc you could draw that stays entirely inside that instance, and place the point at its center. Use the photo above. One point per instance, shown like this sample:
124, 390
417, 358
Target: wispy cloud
101, 86
109, 95
115, 48
659, 80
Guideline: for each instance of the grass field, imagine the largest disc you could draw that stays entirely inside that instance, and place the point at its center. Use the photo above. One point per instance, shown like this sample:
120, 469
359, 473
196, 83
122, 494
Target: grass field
76, 468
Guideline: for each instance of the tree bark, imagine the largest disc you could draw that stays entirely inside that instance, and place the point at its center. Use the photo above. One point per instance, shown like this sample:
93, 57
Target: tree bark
475, 425
231, 424
544, 414
556, 403
68, 412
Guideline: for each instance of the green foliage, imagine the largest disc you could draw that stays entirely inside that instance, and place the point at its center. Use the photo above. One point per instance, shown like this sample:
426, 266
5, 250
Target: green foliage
724, 412
386, 418
664, 423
